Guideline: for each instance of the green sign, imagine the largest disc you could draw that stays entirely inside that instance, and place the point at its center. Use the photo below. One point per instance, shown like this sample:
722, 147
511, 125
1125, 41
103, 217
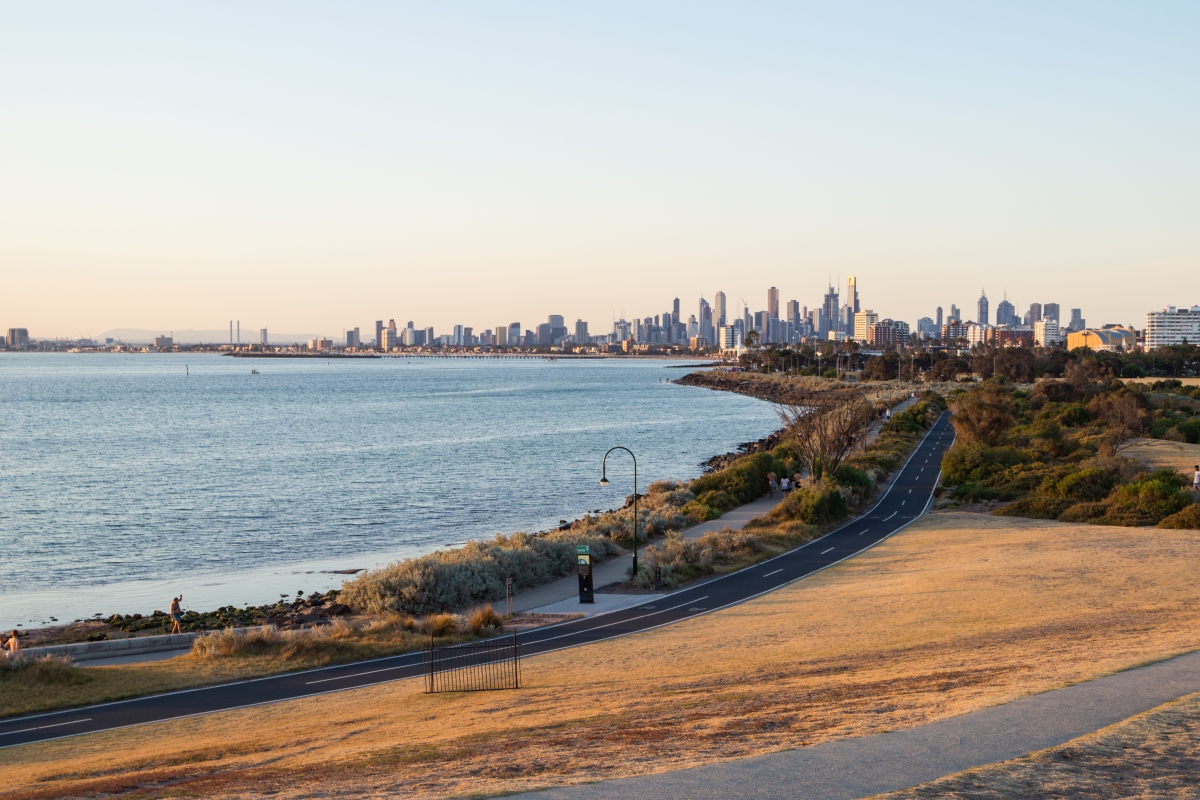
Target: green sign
583, 549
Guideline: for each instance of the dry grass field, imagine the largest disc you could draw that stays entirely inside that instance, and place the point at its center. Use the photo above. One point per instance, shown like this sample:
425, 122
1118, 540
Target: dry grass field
959, 612
1179, 456
1156, 754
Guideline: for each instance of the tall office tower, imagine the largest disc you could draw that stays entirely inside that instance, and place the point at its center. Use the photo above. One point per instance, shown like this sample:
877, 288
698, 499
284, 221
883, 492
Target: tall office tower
501, 336
581, 332
846, 319
352, 338
675, 310
1006, 313
514, 334
378, 332
392, 325
852, 295
558, 328
468, 338
981, 309
458, 335
939, 318
231, 331
829, 312
239, 341
1077, 321
793, 313
1035, 313
1050, 311
262, 336
719, 309
430, 339
544, 335
668, 327
706, 321
773, 303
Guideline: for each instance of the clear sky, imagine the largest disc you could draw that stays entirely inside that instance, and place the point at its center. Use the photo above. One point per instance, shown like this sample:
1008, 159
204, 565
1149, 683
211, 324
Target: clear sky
317, 166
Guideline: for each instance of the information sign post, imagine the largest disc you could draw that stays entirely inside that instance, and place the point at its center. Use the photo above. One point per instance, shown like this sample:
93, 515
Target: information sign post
583, 554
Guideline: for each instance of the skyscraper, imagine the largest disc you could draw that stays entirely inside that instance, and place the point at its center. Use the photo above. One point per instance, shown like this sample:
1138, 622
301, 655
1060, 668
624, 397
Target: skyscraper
581, 332
514, 334
719, 309
675, 310
1006, 313
262, 336
939, 318
829, 312
706, 321
379, 333
793, 313
954, 313
1050, 311
1034, 314
773, 303
981, 315
1077, 321
852, 295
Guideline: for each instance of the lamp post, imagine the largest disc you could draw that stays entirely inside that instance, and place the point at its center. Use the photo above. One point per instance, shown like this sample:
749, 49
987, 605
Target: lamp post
604, 482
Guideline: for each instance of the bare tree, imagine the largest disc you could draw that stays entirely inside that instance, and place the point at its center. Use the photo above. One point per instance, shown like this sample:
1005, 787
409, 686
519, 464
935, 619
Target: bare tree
826, 426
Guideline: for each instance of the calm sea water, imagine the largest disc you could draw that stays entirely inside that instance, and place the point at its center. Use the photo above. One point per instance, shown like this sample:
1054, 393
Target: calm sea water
128, 478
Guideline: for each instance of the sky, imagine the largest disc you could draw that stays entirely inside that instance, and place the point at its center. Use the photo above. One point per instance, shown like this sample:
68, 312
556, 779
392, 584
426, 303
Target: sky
317, 166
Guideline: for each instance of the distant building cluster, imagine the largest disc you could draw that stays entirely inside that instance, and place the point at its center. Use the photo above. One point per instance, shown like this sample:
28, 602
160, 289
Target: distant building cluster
713, 328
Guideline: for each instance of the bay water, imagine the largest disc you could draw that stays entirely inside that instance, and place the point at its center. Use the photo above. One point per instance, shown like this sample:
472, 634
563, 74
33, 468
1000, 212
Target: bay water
129, 478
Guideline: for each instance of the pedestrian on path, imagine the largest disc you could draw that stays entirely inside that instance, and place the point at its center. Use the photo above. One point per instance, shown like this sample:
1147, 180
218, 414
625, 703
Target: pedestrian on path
1196, 479
771, 479
785, 486
796, 480
176, 614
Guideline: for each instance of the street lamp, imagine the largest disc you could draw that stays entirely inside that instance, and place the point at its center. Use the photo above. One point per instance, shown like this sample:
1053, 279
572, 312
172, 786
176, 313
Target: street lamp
604, 482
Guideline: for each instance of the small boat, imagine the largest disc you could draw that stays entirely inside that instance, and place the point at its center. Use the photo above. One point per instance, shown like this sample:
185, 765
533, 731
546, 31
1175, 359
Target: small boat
253, 372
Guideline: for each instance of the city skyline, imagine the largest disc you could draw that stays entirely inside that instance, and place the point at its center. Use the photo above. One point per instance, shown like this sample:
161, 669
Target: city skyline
171, 167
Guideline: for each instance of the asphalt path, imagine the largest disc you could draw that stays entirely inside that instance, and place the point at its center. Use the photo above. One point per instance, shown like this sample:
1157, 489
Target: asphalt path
907, 498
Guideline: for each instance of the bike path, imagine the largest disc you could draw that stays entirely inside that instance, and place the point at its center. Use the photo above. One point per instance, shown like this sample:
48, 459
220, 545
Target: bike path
908, 496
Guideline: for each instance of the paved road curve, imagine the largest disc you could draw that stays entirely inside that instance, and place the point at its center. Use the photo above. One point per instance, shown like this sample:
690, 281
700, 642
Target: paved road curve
906, 499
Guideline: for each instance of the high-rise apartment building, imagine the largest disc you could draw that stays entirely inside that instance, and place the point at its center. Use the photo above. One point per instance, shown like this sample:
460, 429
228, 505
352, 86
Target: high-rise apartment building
1034, 314
981, 309
1078, 323
719, 309
1172, 326
262, 335
514, 334
430, 339
18, 338
501, 336
379, 333
773, 303
457, 339
352, 338
706, 321
792, 313
544, 336
863, 321
581, 332
1050, 311
954, 313
675, 311
939, 318
852, 295
386, 343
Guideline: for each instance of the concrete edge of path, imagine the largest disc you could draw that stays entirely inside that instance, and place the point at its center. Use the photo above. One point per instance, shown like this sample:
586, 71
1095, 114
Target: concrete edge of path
868, 765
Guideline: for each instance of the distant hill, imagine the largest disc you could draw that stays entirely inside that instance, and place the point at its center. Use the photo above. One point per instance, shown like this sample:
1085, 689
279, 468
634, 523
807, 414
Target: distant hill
140, 336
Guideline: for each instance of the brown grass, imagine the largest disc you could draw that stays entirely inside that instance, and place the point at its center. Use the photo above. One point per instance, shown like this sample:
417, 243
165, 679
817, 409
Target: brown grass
1155, 754
1179, 456
959, 612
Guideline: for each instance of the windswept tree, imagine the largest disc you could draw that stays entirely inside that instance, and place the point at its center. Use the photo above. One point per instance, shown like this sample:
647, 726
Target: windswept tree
826, 427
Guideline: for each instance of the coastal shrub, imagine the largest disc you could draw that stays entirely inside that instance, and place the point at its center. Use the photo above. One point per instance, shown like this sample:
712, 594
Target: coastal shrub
1190, 430
1189, 517
741, 482
1084, 512
44, 671
1036, 506
442, 625
973, 463
469, 575
484, 621
1092, 484
1147, 500
813, 505
974, 493
682, 560
854, 478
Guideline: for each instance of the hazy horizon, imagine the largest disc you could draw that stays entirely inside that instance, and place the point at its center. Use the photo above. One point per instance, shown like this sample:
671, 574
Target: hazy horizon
309, 167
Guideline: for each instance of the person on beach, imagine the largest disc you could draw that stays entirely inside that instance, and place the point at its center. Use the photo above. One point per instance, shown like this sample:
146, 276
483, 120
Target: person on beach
771, 479
176, 614
13, 645
1196, 479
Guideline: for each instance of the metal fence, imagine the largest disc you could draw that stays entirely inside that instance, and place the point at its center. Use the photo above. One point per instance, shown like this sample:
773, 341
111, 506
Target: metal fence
474, 666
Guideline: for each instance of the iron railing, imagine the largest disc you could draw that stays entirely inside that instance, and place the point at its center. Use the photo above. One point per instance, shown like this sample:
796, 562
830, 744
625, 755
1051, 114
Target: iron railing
474, 666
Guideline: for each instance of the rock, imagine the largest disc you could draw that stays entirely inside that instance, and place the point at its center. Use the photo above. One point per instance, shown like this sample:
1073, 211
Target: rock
335, 610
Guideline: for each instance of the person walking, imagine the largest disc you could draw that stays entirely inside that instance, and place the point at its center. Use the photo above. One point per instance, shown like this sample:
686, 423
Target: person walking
176, 615
796, 480
785, 486
13, 645
1196, 479
771, 479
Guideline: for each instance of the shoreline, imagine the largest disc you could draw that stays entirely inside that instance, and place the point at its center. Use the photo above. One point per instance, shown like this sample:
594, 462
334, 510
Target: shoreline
306, 576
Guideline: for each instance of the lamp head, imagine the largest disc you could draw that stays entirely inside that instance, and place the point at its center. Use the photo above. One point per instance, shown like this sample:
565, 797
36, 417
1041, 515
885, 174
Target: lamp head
603, 481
